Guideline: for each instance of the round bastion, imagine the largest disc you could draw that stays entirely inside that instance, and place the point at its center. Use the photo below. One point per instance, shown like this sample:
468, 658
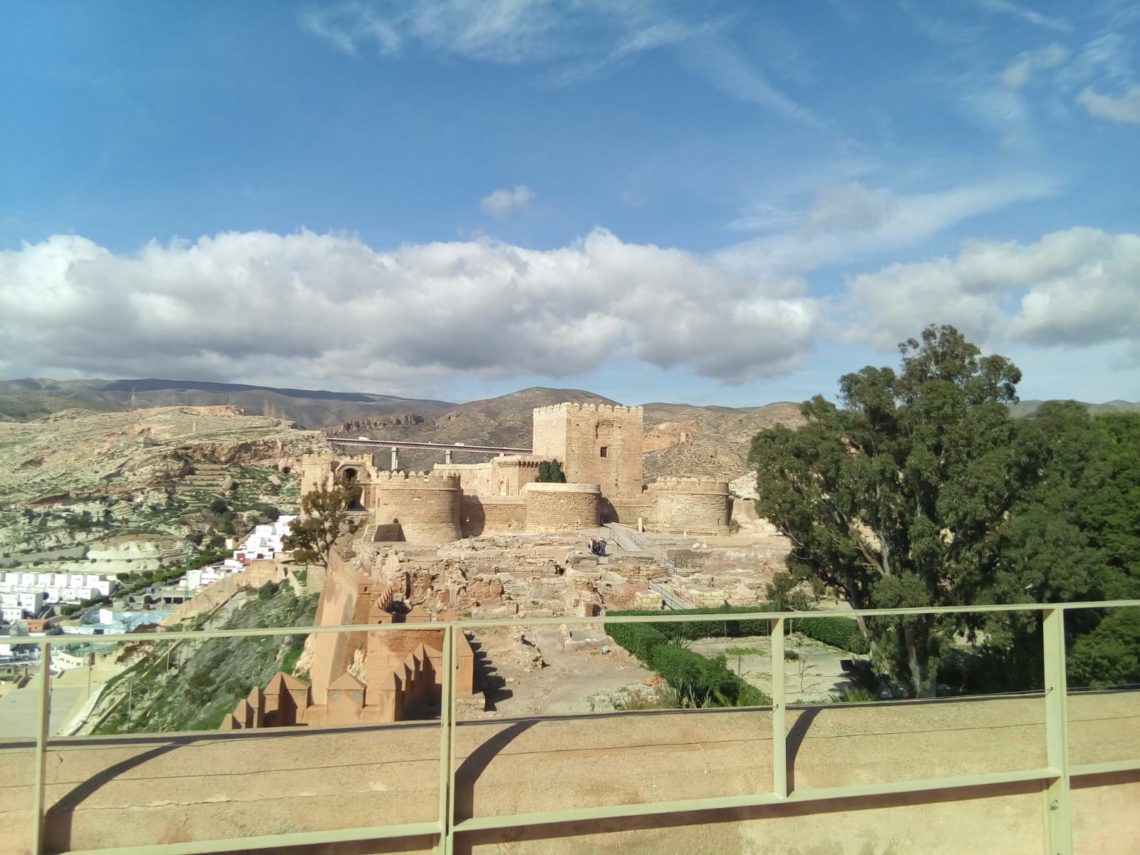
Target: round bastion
425, 505
562, 507
696, 505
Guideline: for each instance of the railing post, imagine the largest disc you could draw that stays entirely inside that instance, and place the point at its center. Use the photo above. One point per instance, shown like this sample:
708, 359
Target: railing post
1058, 812
41, 747
446, 749
779, 714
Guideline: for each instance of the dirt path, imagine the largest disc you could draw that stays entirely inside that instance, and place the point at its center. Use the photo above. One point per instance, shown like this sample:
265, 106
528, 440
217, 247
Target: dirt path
812, 673
548, 670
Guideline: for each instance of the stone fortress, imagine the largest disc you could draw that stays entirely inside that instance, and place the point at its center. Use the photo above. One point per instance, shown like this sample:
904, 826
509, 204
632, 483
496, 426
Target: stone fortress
599, 448
415, 561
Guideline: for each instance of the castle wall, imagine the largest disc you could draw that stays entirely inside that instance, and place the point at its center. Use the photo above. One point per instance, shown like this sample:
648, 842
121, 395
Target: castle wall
596, 444
336, 607
628, 511
493, 515
475, 479
561, 507
695, 505
321, 471
499, 477
426, 507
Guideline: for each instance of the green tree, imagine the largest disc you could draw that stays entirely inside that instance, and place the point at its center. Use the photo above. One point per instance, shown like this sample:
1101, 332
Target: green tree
325, 517
550, 472
895, 498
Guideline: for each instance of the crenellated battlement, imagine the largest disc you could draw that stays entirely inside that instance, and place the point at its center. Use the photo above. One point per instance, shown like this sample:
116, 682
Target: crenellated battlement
689, 485
567, 407
385, 478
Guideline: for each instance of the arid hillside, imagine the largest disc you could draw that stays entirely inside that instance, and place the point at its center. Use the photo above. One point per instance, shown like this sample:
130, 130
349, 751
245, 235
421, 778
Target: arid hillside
79, 482
23, 400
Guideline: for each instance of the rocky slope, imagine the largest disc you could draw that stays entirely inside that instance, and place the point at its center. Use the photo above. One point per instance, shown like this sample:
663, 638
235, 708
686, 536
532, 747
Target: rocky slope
78, 484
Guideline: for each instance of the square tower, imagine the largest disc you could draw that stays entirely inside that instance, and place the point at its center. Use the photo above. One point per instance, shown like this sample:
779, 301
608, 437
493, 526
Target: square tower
596, 444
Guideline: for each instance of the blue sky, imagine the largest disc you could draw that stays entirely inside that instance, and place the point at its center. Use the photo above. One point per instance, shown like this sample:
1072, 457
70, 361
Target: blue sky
714, 203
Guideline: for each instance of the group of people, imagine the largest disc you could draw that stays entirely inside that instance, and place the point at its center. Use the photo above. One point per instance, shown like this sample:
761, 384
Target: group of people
596, 545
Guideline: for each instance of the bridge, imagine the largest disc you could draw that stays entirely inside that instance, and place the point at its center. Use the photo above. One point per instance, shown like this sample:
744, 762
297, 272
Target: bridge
447, 449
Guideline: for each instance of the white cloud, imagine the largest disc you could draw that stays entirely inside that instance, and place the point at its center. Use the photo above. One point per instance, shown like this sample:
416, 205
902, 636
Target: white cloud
1071, 288
1006, 7
727, 70
581, 39
851, 220
1021, 71
1126, 108
349, 25
499, 203
320, 310
591, 32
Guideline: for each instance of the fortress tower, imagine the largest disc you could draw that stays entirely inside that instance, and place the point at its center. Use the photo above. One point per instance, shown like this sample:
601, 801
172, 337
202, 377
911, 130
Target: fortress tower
596, 444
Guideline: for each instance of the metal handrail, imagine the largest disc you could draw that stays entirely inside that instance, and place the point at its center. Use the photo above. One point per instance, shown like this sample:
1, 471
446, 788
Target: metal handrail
1055, 775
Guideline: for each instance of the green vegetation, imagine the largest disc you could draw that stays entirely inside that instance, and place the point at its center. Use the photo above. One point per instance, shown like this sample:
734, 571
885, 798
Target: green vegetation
841, 632
550, 472
699, 681
178, 686
325, 517
919, 489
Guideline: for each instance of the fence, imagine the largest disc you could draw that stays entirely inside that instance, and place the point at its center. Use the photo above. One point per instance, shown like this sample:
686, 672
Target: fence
1054, 777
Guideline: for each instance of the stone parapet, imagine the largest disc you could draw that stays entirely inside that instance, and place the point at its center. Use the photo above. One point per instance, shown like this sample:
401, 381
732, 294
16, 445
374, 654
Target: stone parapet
562, 507
696, 505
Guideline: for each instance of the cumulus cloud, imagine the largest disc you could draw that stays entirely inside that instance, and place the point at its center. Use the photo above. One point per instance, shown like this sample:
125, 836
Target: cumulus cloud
1126, 108
1071, 288
1022, 70
499, 203
330, 310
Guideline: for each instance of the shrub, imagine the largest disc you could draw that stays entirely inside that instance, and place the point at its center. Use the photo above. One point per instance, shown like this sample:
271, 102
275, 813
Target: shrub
698, 680
840, 632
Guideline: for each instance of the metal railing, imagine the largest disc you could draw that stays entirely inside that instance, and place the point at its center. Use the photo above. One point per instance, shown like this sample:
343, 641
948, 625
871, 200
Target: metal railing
1054, 777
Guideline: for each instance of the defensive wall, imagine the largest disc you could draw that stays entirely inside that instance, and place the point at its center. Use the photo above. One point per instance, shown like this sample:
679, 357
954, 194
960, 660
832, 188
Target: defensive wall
697, 505
597, 444
426, 505
257, 573
363, 677
562, 507
500, 477
492, 515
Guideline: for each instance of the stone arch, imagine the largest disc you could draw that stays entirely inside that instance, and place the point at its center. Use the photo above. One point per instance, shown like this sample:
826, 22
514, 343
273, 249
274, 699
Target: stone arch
350, 476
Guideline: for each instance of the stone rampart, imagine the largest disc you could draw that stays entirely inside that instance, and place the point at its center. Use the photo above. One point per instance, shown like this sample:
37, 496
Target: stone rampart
426, 506
562, 507
697, 505
629, 511
219, 592
493, 515
336, 607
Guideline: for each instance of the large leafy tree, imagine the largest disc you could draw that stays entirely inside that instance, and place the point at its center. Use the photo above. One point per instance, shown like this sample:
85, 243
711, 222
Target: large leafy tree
896, 496
326, 515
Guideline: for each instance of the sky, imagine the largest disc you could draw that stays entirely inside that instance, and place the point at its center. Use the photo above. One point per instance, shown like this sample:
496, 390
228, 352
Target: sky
714, 203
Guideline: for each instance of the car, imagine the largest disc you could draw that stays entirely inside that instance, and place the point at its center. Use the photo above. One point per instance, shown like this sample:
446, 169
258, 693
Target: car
364, 437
